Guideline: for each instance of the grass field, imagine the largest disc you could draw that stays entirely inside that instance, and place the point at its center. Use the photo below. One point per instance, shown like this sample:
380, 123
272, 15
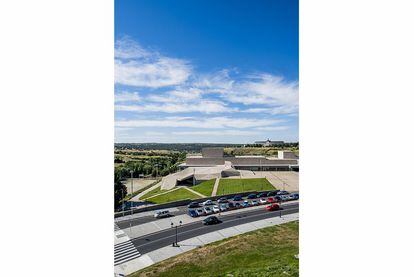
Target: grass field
151, 193
266, 252
179, 194
228, 186
205, 187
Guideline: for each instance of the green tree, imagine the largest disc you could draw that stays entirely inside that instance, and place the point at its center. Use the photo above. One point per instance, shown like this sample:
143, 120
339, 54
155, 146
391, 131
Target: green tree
120, 190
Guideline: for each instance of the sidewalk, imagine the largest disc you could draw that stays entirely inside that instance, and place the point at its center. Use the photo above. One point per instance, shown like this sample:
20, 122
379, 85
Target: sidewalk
190, 244
215, 188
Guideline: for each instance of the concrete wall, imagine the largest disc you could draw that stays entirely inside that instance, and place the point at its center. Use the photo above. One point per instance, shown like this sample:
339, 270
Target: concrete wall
212, 152
190, 161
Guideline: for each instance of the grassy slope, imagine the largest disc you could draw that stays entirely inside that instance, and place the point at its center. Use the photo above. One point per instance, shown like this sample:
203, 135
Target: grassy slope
265, 252
205, 187
179, 194
228, 186
151, 193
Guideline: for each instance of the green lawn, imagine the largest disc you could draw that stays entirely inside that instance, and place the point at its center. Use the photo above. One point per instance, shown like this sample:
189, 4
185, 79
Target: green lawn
152, 193
229, 186
266, 252
205, 187
179, 194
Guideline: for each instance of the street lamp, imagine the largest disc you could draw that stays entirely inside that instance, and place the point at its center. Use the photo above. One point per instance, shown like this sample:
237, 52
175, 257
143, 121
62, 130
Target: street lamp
175, 244
132, 181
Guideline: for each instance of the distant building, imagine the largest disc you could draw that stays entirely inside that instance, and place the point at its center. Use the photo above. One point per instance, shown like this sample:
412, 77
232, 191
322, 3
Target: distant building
213, 164
268, 143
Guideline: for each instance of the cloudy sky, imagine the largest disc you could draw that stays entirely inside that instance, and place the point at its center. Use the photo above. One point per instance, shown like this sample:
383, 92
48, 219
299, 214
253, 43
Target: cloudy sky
206, 71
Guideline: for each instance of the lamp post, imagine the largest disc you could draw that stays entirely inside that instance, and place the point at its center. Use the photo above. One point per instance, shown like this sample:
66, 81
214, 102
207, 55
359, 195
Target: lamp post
132, 181
175, 244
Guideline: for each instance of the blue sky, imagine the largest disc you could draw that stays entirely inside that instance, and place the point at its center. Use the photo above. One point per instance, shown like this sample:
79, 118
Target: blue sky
206, 71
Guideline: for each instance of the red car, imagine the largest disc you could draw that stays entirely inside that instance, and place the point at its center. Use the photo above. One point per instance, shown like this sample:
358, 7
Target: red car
273, 207
271, 200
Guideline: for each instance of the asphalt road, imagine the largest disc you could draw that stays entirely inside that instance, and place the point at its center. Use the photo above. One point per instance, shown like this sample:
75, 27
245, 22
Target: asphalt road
163, 238
145, 219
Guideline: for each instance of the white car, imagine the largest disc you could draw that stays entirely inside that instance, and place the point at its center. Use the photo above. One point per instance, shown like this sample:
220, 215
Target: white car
263, 201
208, 210
200, 212
223, 207
161, 214
208, 203
216, 209
254, 203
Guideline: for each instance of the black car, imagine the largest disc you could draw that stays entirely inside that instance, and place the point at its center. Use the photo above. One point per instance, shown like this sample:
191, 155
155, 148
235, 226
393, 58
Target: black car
261, 195
222, 200
271, 193
237, 205
193, 205
237, 198
277, 198
231, 205
295, 196
211, 220
251, 196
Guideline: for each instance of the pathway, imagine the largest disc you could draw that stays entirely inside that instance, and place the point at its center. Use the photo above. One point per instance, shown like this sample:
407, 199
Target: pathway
195, 192
215, 188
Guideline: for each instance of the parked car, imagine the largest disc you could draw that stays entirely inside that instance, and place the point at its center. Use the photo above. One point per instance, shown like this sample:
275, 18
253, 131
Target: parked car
208, 203
192, 213
245, 204
216, 209
271, 193
208, 210
200, 212
193, 205
223, 207
251, 196
273, 207
237, 205
237, 198
284, 197
162, 214
211, 220
271, 200
222, 200
277, 198
254, 203
231, 205
295, 196
262, 201
282, 192
262, 194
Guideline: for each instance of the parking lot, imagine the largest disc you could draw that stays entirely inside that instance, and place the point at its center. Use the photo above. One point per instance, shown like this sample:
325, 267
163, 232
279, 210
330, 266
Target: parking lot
209, 207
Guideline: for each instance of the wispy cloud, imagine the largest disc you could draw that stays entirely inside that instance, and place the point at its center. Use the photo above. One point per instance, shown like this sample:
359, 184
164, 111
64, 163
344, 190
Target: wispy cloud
126, 97
224, 104
201, 123
203, 106
135, 66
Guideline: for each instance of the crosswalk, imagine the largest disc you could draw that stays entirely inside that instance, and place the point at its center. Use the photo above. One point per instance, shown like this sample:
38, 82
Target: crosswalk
116, 228
125, 251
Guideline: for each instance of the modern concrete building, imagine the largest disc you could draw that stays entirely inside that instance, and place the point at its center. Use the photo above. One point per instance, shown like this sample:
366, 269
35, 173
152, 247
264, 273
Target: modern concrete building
286, 160
212, 163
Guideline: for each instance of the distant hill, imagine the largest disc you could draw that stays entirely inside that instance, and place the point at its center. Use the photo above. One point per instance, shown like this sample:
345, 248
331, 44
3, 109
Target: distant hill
188, 147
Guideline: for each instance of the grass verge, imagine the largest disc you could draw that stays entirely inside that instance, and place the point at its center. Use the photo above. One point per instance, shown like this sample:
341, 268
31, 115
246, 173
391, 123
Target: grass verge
229, 186
176, 195
266, 252
205, 187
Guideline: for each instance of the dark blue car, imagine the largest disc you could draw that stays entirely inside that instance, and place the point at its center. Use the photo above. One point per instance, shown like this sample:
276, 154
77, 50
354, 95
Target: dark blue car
251, 196
237, 198
192, 213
